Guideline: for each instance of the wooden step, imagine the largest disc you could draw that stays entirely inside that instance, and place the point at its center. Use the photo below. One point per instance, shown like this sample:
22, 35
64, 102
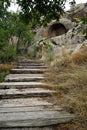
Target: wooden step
28, 113
31, 67
27, 71
29, 108
25, 93
33, 119
24, 102
23, 77
30, 64
19, 85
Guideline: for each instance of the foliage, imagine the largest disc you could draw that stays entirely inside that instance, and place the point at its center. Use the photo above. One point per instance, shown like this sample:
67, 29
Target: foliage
2, 75
39, 11
84, 21
8, 53
11, 26
49, 51
48, 45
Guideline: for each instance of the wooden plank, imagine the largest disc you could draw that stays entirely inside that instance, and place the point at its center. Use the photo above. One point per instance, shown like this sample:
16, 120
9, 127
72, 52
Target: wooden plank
7, 85
30, 67
23, 77
33, 119
26, 71
29, 108
22, 102
25, 93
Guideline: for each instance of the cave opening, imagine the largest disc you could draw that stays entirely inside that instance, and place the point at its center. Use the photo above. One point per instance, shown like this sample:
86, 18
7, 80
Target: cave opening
56, 29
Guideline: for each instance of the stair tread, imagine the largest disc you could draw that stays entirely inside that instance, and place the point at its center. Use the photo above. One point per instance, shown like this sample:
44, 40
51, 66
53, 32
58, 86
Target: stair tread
33, 119
21, 83
22, 102
23, 77
24, 91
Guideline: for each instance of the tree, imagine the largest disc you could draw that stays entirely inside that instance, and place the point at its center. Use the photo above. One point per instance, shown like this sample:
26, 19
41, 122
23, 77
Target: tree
40, 11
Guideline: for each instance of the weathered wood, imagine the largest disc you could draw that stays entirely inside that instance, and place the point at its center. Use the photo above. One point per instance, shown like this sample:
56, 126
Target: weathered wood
23, 77
26, 71
7, 85
25, 93
27, 128
29, 108
33, 119
30, 67
30, 64
23, 102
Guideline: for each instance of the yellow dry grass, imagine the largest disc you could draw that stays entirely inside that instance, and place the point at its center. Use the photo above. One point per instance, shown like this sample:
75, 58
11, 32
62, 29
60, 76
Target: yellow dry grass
6, 66
69, 76
4, 70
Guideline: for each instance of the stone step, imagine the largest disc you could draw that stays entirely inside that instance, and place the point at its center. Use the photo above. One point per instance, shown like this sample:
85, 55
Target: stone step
26, 71
25, 93
19, 85
23, 77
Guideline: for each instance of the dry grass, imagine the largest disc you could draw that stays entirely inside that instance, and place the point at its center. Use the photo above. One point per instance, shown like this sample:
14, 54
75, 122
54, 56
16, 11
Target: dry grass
4, 70
6, 66
69, 76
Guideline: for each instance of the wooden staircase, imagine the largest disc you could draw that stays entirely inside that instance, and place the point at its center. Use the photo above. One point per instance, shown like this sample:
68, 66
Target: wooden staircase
24, 100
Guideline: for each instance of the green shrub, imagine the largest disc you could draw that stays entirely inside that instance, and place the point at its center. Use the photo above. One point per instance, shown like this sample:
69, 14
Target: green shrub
2, 75
7, 53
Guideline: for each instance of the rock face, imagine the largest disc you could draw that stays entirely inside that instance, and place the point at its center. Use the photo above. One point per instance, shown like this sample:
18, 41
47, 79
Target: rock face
57, 28
70, 40
64, 33
73, 36
78, 11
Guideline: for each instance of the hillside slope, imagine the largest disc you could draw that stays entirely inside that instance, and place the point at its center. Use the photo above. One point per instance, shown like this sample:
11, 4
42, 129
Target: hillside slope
68, 76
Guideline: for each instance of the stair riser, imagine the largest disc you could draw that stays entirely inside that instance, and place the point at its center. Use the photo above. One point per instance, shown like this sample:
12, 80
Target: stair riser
31, 67
24, 80
27, 72
21, 86
32, 95
30, 64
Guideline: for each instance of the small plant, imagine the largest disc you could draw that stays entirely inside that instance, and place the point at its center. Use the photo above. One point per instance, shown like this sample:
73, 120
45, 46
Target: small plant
8, 53
84, 21
4, 70
2, 75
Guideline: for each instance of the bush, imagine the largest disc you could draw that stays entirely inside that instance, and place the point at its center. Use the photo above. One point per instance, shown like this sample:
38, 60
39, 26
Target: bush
2, 75
7, 53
